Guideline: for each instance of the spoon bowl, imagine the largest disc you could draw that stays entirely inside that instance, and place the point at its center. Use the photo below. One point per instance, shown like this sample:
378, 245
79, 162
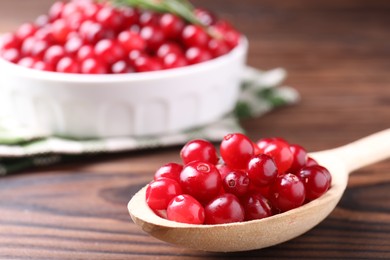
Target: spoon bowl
257, 234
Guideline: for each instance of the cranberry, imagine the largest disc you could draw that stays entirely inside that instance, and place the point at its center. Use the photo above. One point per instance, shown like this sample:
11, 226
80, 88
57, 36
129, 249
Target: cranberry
26, 30
316, 179
109, 17
147, 18
169, 170
287, 192
44, 34
195, 36
67, 65
27, 62
256, 207
12, 55
60, 30
9, 41
168, 48
206, 17
75, 20
225, 208
93, 66
73, 45
40, 65
130, 16
55, 10
145, 64
197, 55
199, 150
236, 182
171, 25
173, 60
159, 193
280, 151
131, 40
39, 48
109, 51
120, 67
223, 170
236, 150
91, 32
42, 20
28, 45
70, 8
201, 180
154, 37
53, 54
85, 52
299, 158
311, 162
218, 47
185, 209
262, 170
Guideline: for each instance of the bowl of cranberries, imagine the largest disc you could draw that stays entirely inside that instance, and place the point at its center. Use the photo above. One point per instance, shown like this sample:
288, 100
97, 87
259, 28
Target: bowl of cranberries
247, 181
98, 69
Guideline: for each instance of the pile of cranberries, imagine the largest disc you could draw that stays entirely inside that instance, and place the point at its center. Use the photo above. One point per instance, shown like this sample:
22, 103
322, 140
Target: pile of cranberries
254, 180
84, 36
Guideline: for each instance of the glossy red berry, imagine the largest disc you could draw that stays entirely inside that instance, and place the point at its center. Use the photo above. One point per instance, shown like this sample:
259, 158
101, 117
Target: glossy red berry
280, 152
199, 150
55, 10
9, 41
236, 150
121, 67
153, 36
109, 17
109, 51
195, 36
168, 48
40, 65
145, 64
73, 45
93, 66
256, 207
299, 158
262, 170
53, 54
91, 32
201, 180
12, 55
169, 170
287, 192
225, 208
60, 30
131, 40
27, 62
173, 60
237, 183
316, 179
196, 55
205, 16
171, 25
26, 30
160, 192
217, 47
67, 65
185, 209
311, 162
85, 52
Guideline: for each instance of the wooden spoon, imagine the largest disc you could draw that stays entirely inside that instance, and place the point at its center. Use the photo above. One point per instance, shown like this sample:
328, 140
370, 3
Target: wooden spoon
273, 230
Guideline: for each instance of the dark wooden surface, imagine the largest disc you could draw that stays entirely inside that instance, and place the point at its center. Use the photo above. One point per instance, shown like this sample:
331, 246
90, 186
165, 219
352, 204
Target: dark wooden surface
337, 53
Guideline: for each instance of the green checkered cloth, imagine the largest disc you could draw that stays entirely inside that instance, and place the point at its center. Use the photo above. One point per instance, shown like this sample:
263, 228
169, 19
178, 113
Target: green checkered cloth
23, 148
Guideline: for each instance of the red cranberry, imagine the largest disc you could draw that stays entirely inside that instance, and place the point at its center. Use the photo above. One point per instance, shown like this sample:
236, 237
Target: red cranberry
60, 30
167, 48
44, 34
130, 16
109, 17
55, 10
131, 40
73, 45
201, 180
109, 51
28, 45
147, 18
12, 55
153, 36
206, 17
173, 60
121, 67
197, 55
311, 162
185, 209
169, 170
236, 150
27, 62
223, 209
199, 150
256, 207
9, 41
91, 32
299, 158
67, 65
287, 192
53, 54
26, 30
280, 152
195, 36
93, 66
237, 183
159, 193
316, 179
171, 25
39, 48
262, 170
145, 64
218, 47
223, 170
40, 65
85, 52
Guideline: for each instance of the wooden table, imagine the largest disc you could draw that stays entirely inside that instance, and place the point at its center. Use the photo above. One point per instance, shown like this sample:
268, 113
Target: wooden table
337, 54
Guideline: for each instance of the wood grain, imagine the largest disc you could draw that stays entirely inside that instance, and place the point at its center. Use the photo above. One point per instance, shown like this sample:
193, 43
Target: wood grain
337, 54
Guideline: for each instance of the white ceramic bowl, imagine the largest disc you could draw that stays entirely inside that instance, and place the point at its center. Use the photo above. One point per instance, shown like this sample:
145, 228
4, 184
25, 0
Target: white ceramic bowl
137, 104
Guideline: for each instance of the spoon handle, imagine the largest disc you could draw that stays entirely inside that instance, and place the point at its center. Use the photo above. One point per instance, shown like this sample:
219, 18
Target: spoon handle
365, 151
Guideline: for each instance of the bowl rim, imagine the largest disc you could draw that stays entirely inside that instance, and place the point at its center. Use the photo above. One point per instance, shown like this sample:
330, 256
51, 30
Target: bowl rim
240, 49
